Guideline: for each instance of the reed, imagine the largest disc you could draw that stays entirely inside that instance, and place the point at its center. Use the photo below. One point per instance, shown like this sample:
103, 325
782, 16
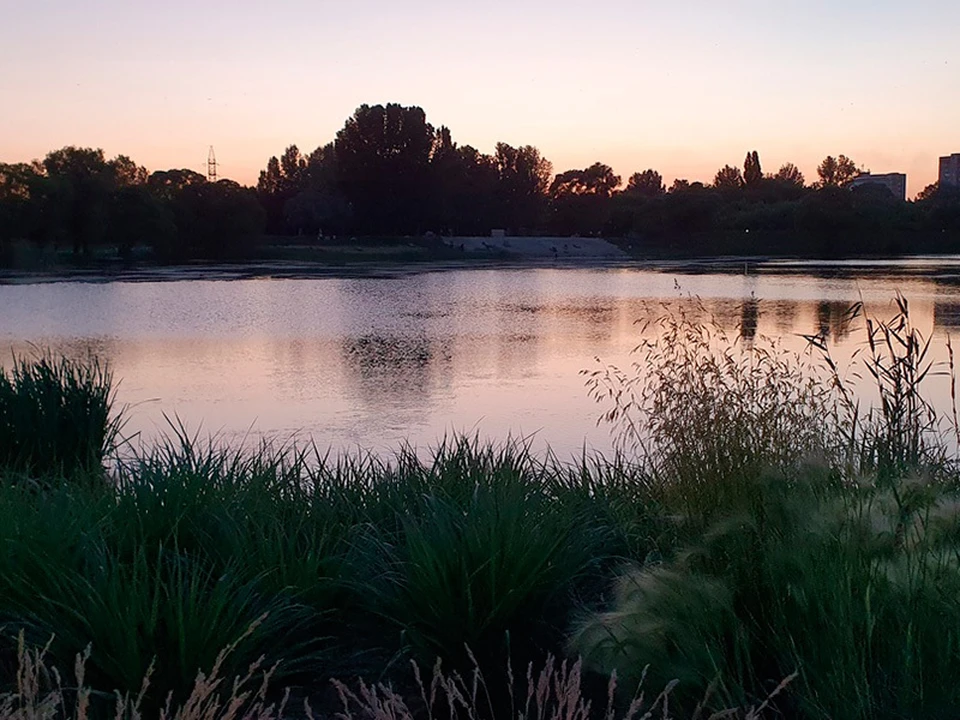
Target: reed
57, 416
818, 532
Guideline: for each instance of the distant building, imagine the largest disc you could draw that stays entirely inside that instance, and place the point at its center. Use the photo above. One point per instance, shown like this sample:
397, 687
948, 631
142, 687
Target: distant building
950, 171
896, 183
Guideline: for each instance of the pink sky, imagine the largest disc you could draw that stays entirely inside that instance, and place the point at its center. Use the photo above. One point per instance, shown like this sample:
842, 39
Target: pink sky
682, 87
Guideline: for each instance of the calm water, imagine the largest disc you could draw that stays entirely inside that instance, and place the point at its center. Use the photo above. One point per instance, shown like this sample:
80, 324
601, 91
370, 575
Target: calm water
374, 361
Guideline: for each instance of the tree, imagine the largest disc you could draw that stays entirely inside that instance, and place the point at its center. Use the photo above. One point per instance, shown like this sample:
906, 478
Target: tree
789, 174
648, 183
930, 192
523, 179
216, 221
470, 193
82, 183
126, 172
679, 186
728, 178
581, 199
138, 217
168, 184
284, 178
322, 169
315, 211
598, 179
466, 183
836, 171
72, 161
383, 158
293, 169
752, 172
18, 200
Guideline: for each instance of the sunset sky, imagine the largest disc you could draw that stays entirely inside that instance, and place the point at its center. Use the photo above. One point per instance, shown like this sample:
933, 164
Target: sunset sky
683, 87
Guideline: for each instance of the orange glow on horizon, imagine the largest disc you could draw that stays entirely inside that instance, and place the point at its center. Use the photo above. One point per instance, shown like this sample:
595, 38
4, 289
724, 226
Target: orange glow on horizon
684, 89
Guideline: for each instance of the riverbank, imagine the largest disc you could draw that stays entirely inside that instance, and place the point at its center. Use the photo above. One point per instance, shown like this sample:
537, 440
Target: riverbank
294, 258
754, 531
297, 265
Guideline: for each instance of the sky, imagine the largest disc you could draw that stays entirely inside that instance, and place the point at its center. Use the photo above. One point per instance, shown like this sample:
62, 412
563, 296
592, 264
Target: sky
683, 87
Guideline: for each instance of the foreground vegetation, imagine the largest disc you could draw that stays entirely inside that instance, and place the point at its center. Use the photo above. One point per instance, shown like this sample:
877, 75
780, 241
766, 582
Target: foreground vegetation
761, 541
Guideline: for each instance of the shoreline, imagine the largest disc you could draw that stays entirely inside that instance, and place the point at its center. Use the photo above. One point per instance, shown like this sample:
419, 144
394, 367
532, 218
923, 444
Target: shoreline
297, 270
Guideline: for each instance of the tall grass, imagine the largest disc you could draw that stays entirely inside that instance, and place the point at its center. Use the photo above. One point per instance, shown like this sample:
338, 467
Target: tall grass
856, 591
56, 416
821, 533
553, 691
343, 566
487, 558
702, 410
902, 431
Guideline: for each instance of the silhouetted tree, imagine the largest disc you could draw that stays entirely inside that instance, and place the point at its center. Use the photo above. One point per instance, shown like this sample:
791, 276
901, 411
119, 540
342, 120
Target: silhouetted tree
836, 171
284, 178
679, 185
752, 172
929, 192
82, 182
580, 199
691, 211
138, 217
598, 179
939, 209
168, 184
466, 188
383, 159
293, 168
216, 221
126, 172
523, 181
19, 204
728, 178
826, 217
648, 183
322, 169
314, 212
790, 174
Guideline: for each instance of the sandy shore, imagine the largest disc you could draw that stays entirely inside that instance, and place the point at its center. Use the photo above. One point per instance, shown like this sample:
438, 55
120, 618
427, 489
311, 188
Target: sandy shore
540, 247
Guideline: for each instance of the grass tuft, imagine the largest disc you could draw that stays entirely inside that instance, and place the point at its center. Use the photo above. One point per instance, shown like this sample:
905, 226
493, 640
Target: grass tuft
56, 417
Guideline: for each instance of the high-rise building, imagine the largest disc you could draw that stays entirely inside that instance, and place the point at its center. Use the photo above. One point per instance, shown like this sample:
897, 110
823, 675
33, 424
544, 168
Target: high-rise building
950, 171
896, 183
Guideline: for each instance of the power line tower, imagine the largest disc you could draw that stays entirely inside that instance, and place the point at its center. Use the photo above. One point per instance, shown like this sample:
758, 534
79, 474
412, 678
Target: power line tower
211, 165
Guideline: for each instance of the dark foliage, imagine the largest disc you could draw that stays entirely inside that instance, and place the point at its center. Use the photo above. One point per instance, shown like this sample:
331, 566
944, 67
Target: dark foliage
390, 173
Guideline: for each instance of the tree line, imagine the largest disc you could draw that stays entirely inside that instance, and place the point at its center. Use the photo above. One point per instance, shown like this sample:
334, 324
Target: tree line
77, 198
389, 172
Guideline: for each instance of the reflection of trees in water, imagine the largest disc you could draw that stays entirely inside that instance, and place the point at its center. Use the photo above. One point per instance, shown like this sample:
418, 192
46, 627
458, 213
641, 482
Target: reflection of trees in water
834, 319
749, 318
784, 314
596, 320
726, 312
526, 308
946, 314
397, 366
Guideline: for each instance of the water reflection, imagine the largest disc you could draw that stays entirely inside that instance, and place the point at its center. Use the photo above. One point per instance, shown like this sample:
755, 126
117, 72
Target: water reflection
372, 361
749, 318
835, 320
399, 370
946, 314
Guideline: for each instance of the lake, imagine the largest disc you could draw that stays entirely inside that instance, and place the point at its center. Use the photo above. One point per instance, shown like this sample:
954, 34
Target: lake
371, 362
